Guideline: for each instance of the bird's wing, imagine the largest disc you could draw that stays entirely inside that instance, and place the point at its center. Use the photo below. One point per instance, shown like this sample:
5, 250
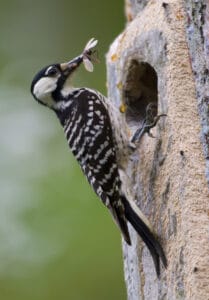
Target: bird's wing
114, 205
91, 141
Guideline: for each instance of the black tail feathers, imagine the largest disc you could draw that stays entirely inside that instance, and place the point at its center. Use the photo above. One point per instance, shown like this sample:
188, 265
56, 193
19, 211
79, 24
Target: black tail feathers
147, 236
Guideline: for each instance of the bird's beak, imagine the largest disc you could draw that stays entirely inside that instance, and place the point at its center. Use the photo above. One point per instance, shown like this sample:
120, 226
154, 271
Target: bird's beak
66, 68
70, 66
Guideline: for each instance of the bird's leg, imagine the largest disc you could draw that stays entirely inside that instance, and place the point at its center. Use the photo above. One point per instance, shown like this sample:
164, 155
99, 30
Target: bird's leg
149, 122
145, 129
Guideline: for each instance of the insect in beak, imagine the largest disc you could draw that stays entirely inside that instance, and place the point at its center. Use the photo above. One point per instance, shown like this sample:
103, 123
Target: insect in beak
88, 57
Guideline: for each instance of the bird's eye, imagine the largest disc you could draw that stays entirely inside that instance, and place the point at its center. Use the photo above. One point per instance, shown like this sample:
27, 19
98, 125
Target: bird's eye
52, 71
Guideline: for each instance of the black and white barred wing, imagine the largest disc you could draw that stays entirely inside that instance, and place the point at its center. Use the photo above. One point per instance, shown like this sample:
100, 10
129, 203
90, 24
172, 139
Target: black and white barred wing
89, 136
115, 207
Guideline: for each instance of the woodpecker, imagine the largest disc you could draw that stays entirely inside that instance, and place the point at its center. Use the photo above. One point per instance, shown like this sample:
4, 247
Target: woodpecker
94, 132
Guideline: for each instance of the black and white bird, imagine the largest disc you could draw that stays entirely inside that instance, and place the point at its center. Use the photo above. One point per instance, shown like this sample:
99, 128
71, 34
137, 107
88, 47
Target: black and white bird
96, 136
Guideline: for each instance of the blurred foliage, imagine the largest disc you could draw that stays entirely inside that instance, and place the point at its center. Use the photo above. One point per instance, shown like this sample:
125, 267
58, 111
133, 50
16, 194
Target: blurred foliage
57, 241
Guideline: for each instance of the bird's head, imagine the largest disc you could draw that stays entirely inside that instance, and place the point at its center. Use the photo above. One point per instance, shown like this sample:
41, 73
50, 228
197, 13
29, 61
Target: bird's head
51, 85
48, 84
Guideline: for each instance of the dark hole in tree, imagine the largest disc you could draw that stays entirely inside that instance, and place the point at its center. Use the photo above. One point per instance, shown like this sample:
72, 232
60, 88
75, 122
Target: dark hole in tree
140, 89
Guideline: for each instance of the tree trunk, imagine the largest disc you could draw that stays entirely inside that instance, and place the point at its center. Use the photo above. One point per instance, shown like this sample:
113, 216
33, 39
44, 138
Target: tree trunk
162, 57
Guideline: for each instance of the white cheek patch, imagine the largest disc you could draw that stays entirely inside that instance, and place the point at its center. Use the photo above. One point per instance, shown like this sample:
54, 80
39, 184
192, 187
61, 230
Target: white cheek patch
43, 89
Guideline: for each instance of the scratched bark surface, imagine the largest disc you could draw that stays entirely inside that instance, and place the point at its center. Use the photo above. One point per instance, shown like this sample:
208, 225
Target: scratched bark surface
167, 172
197, 29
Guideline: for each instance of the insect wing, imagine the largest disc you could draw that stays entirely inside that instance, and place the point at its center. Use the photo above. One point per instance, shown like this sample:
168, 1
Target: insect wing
88, 65
91, 44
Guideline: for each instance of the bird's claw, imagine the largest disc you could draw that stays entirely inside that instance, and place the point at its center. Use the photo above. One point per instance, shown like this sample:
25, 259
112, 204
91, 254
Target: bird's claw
146, 129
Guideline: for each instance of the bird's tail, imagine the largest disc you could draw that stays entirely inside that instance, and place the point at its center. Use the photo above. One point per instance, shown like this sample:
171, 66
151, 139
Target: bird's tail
137, 220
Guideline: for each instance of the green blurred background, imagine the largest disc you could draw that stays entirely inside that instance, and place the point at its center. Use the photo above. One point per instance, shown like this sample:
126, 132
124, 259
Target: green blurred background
57, 241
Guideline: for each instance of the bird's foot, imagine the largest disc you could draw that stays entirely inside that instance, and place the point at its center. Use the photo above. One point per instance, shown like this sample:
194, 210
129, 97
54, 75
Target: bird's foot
150, 121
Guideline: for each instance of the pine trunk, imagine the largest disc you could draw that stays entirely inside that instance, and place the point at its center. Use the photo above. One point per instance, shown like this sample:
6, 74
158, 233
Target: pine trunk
163, 57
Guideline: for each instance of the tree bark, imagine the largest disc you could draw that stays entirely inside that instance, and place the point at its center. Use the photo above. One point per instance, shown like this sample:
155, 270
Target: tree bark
162, 57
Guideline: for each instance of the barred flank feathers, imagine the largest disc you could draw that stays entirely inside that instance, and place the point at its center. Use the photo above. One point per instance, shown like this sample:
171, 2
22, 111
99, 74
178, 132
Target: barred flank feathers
147, 236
